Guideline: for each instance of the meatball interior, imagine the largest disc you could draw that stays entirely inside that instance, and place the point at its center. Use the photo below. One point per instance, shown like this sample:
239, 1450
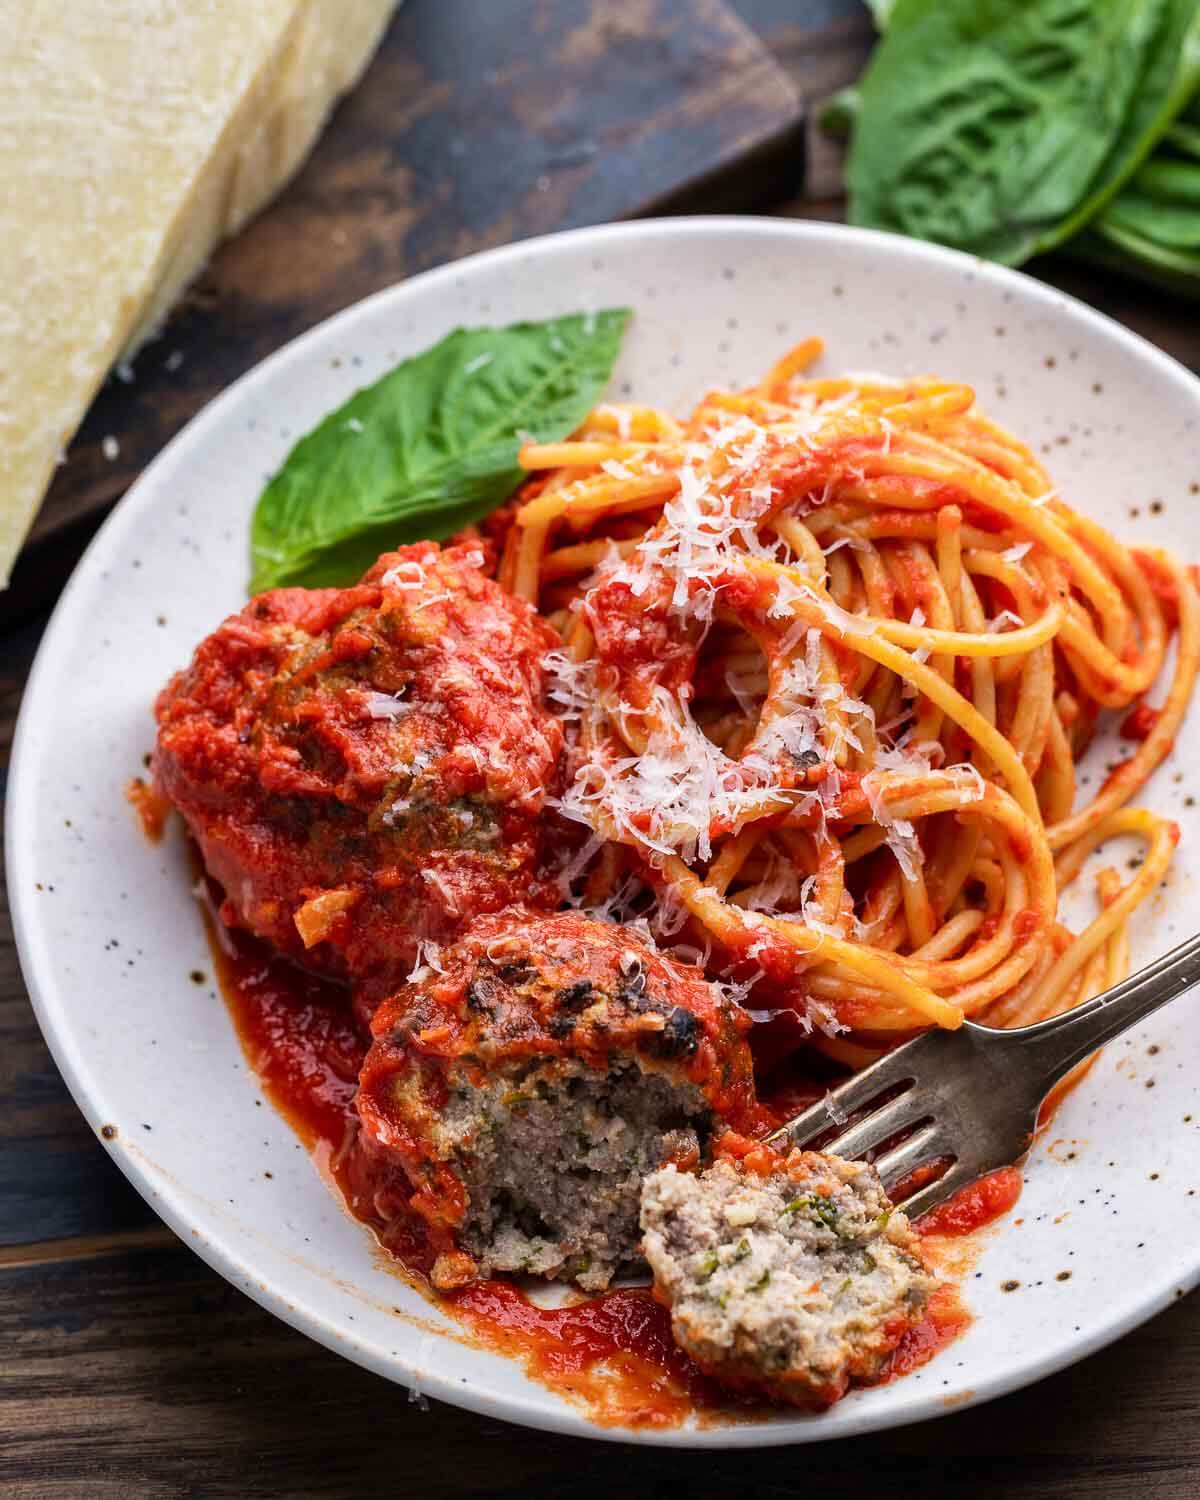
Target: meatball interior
364, 768
791, 1275
527, 1084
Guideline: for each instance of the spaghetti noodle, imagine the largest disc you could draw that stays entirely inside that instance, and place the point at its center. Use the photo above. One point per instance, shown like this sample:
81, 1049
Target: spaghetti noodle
832, 651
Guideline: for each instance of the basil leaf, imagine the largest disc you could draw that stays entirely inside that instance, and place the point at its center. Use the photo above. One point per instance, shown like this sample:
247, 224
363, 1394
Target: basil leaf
1002, 127
430, 447
839, 114
1172, 225
1167, 179
1184, 138
1120, 249
1157, 213
1180, 262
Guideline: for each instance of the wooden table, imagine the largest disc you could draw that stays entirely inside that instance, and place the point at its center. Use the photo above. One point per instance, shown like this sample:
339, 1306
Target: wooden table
127, 1367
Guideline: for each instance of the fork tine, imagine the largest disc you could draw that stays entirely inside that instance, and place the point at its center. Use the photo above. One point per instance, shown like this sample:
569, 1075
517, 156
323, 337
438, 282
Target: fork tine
856, 1140
933, 1193
923, 1145
896, 1067
807, 1125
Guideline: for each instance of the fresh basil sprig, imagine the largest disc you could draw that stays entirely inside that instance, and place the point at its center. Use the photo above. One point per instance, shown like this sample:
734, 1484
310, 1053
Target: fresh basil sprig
430, 447
1151, 229
1003, 126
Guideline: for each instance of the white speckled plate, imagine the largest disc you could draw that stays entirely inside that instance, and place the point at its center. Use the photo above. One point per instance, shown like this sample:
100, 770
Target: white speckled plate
108, 930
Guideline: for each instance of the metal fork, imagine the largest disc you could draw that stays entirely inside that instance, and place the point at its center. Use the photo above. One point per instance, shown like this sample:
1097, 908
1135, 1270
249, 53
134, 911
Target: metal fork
969, 1099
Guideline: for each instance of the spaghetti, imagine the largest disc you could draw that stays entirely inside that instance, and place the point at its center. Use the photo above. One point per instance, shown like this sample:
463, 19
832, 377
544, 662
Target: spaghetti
832, 651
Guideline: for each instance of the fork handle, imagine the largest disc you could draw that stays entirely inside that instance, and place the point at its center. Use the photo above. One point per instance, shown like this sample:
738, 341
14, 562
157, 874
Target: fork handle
1054, 1047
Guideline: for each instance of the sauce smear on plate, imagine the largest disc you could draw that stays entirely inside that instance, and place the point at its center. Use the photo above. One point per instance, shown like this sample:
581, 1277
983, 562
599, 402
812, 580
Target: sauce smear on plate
612, 1353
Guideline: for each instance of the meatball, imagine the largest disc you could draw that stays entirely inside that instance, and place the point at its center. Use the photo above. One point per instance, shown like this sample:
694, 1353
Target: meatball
528, 1080
790, 1275
364, 768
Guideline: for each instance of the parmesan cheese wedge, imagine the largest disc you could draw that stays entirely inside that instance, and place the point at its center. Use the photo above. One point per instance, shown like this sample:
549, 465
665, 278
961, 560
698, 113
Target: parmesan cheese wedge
136, 135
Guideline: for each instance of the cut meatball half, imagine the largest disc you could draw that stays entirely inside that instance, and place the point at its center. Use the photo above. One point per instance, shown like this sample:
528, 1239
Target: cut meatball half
529, 1079
364, 768
794, 1275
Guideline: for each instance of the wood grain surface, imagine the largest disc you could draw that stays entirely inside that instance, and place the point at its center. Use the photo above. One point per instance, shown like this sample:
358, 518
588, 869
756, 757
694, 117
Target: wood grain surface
146, 1375
129, 1369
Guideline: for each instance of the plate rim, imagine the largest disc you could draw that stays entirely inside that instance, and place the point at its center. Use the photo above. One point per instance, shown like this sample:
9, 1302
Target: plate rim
159, 1190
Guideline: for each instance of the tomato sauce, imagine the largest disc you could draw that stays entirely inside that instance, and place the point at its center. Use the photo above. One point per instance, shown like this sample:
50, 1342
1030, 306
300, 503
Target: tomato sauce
342, 758
945, 1318
1054, 1099
975, 1205
297, 1031
151, 809
913, 1181
612, 1354
1139, 724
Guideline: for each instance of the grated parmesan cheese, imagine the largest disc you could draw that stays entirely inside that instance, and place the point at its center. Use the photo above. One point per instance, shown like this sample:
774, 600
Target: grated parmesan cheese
920, 653
707, 525
429, 961
570, 685
669, 797
408, 574
386, 706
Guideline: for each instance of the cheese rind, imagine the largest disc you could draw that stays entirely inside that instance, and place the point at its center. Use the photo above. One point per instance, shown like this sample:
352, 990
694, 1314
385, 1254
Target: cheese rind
135, 135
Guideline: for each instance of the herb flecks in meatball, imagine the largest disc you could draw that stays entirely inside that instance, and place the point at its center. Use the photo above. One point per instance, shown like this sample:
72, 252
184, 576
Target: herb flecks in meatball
527, 1085
790, 1275
364, 768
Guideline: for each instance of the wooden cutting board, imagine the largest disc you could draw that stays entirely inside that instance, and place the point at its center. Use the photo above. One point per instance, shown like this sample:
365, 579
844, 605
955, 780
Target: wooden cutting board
477, 124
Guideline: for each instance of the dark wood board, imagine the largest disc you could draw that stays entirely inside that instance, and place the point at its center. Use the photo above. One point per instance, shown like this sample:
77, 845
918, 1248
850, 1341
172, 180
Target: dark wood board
146, 1375
476, 124
127, 1367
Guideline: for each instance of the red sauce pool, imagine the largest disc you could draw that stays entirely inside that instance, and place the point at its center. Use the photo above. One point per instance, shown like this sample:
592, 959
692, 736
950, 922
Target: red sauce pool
614, 1352
1140, 722
945, 1318
611, 1353
975, 1205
